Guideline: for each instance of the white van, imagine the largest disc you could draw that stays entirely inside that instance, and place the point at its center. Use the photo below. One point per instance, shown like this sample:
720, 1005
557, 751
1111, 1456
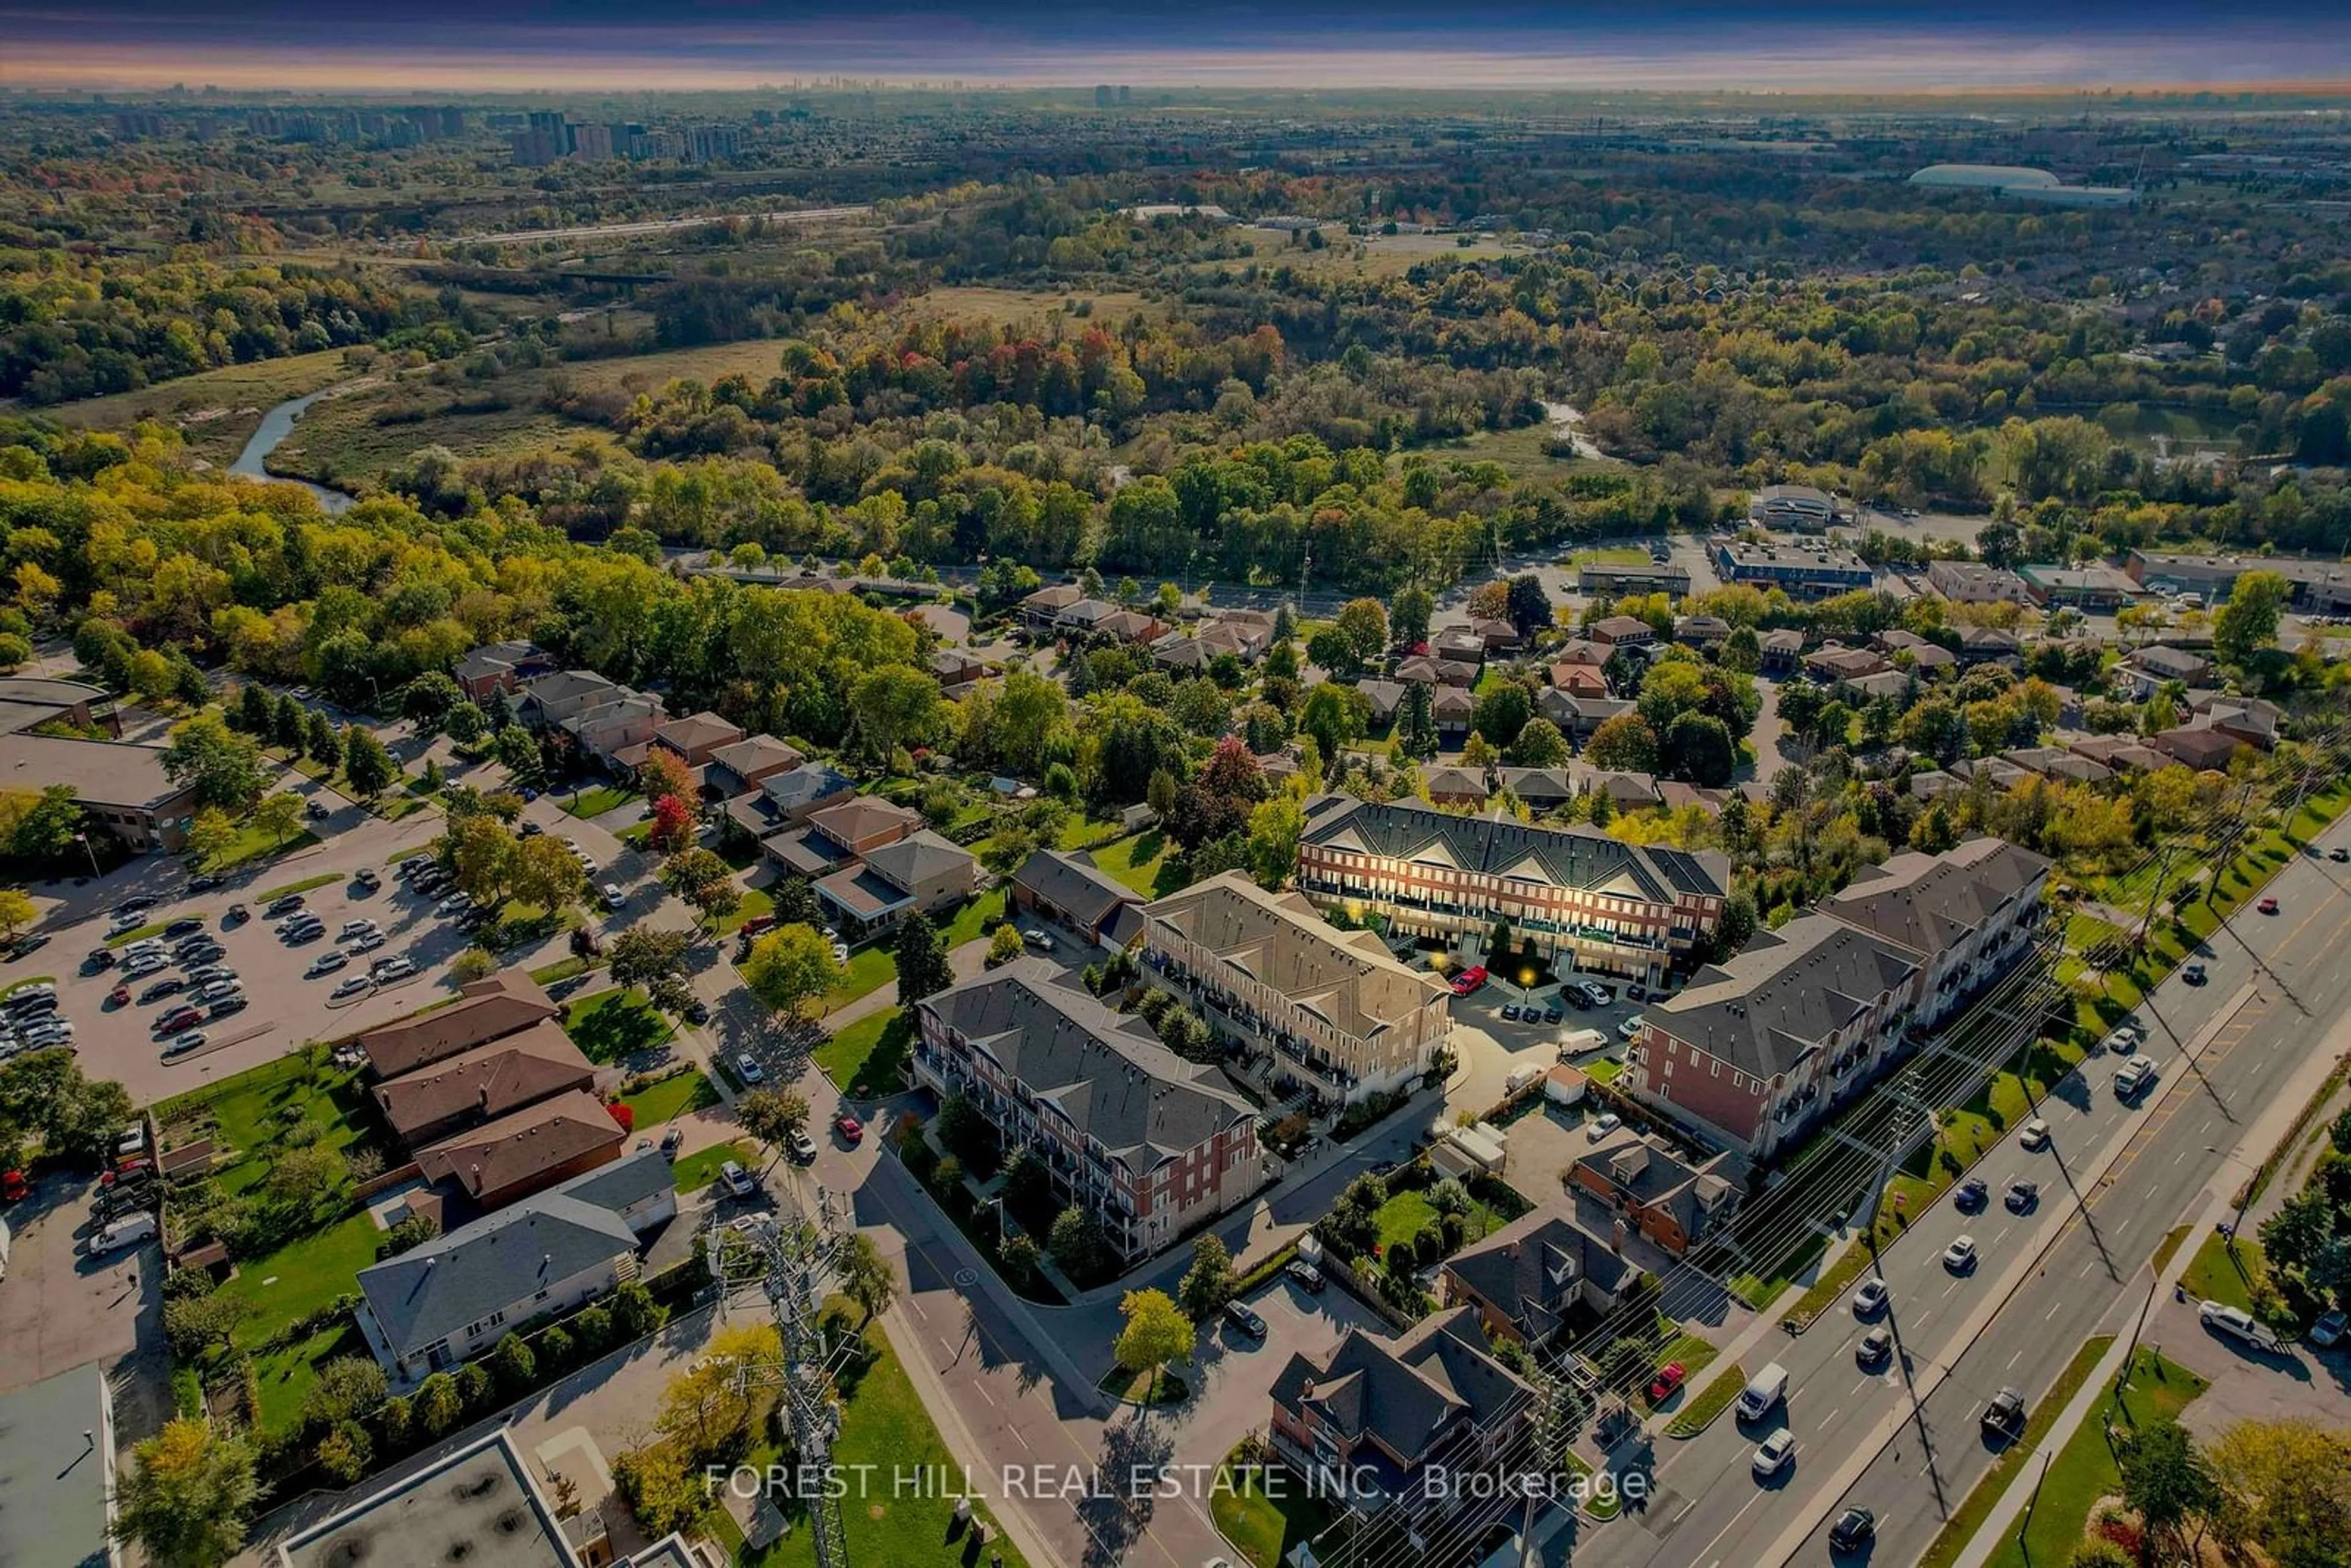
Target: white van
1763, 1391
1576, 1042
128, 1231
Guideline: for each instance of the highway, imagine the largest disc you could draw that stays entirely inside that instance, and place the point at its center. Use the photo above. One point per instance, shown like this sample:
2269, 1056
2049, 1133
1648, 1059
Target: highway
1905, 1440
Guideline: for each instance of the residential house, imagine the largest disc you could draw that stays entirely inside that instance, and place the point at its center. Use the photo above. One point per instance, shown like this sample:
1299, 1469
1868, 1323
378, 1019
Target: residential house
609, 732
1579, 680
1835, 661
1783, 650
1932, 659
486, 1009
1070, 889
1452, 707
1578, 896
1652, 1189
1973, 582
1081, 618
693, 740
444, 1098
1989, 645
744, 765
1701, 631
2000, 771
2196, 745
1386, 698
1578, 716
1129, 626
839, 835
442, 1303
1332, 1009
1966, 915
786, 800
2054, 762
1373, 1422
1455, 786
501, 668
2248, 719
921, 873
1495, 635
1423, 671
1149, 1143
1892, 685
2120, 753
2148, 667
1542, 788
526, 1151
1626, 790
1461, 646
958, 671
1614, 631
1530, 1279
1578, 651
552, 698
1934, 784
1041, 610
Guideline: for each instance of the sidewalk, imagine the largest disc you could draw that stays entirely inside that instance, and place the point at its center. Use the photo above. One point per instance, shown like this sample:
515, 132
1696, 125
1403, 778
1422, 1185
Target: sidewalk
2240, 1163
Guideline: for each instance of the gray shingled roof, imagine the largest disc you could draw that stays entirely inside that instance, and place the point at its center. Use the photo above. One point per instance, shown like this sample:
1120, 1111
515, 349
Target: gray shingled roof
1569, 857
1532, 1269
1106, 1071
437, 1289
917, 858
1074, 883
1763, 1009
1928, 903
1406, 1390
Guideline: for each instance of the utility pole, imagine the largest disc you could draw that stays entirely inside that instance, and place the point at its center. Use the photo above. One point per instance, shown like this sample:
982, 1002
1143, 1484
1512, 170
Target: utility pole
792, 1262
2026, 1522
2137, 1328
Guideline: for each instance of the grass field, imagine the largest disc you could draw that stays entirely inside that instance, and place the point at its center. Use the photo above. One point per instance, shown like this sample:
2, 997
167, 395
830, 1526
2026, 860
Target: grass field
596, 801
1404, 1215
1022, 305
2084, 1469
613, 1025
1141, 863
864, 1059
1712, 1400
251, 843
2216, 1274
254, 1112
1962, 1525
699, 1169
304, 885
672, 1097
865, 971
1265, 1511
216, 410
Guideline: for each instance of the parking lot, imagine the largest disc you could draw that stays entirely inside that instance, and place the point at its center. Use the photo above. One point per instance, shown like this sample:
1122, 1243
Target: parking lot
60, 1309
1492, 1046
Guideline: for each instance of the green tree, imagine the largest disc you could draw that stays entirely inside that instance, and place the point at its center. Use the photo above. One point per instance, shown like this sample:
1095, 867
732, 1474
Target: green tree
195, 1324
789, 967
896, 705
1408, 614
1210, 1282
209, 835
1503, 712
321, 739
704, 879
1698, 747
514, 1365
1623, 743
280, 815
439, 1406
922, 958
653, 961
1539, 745
186, 1496
1275, 828
2165, 1481
427, 701
2249, 622
771, 1114
17, 912
1005, 945
1334, 716
221, 766
1078, 1244
256, 715
290, 725
366, 764
1155, 1333
866, 1277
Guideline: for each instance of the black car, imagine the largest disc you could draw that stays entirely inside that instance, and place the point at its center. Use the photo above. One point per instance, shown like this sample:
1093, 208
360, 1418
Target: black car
99, 958
2023, 1195
206, 883
1247, 1321
226, 1006
1552, 1014
134, 906
1854, 1529
169, 986
1971, 1195
315, 810
285, 905
2005, 1414
183, 925
697, 1011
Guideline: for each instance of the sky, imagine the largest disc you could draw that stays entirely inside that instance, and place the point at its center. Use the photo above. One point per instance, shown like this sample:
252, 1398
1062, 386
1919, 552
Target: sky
1887, 45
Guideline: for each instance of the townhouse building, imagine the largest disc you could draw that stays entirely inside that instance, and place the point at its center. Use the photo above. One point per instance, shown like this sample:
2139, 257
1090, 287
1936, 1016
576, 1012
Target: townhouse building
1763, 1045
1149, 1143
1581, 898
1800, 571
1331, 1010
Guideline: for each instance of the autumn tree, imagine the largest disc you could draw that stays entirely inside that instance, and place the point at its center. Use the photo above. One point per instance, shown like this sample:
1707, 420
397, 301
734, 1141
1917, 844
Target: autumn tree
789, 967
185, 1498
1156, 1332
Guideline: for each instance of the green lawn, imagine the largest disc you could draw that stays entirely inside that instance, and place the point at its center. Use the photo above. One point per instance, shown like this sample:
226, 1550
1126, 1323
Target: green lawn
699, 1169
286, 1373
672, 1097
1695, 1354
972, 920
866, 971
1403, 1216
1607, 1069
2215, 1274
595, 802
15, 986
1265, 1511
884, 1431
563, 970
1141, 863
1961, 1526
254, 1110
1143, 1389
304, 885
613, 1025
1609, 555
1712, 1400
302, 1276
251, 844
755, 902
864, 1059
2084, 1469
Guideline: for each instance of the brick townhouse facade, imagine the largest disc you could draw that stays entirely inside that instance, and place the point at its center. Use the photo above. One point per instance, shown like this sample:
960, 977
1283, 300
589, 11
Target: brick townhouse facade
1149, 1143
1577, 895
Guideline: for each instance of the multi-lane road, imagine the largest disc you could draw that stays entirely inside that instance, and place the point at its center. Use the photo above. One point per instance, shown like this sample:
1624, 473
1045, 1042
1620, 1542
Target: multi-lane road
1905, 1439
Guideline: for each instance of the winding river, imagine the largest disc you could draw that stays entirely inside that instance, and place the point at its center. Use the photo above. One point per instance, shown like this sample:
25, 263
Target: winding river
275, 426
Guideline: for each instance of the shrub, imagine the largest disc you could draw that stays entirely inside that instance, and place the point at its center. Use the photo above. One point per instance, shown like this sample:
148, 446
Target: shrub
555, 1347
411, 1232
514, 1363
591, 1331
475, 1388
473, 964
344, 1452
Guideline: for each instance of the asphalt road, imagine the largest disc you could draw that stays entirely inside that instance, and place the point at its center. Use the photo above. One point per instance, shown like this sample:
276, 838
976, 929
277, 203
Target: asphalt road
2271, 993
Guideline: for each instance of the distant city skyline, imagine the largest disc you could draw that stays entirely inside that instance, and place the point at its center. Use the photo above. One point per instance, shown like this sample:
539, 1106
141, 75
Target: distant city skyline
1888, 47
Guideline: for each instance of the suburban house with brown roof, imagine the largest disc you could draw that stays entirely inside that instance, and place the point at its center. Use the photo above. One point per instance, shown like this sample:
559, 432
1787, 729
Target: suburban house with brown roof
1373, 1419
526, 1151
1653, 1190
501, 668
742, 764
1621, 631
697, 736
2196, 745
444, 1098
843, 833
487, 1009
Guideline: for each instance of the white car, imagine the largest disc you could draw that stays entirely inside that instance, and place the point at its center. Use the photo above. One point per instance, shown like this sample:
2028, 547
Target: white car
2238, 1325
738, 1180
352, 928
327, 962
1772, 1454
1960, 1255
840, 952
746, 1067
145, 964
612, 895
368, 942
1870, 1299
455, 903
2036, 1135
2126, 1039
1603, 1126
351, 985
397, 967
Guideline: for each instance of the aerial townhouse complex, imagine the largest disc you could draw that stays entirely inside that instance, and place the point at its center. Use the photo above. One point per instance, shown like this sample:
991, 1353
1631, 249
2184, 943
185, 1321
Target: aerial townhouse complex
1576, 894
1763, 1045
1332, 1009
1149, 1143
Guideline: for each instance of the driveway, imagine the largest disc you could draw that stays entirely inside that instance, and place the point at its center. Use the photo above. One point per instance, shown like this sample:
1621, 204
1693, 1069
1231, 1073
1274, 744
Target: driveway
1230, 1371
2300, 1382
61, 1309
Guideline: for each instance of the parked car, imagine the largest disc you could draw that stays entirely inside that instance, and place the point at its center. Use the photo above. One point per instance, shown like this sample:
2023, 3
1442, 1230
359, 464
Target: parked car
316, 810
1468, 980
352, 928
368, 942
170, 984
397, 967
1040, 940
2327, 1329
1604, 1124
798, 1147
747, 1068
697, 1011
183, 1045
851, 1129
612, 895
1511, 1012
1247, 1321
2238, 1325
1668, 1383
129, 1230
285, 905
184, 925
327, 963
738, 1180
351, 985
366, 879
1631, 1028
98, 958
206, 883
1307, 1275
